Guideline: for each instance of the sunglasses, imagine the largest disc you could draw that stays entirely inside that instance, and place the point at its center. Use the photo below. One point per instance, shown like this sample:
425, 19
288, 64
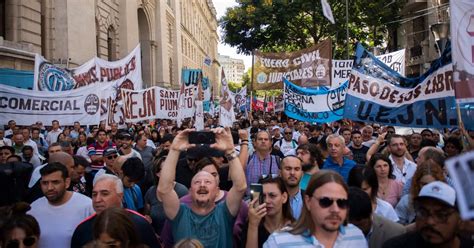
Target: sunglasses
287, 133
112, 156
326, 202
15, 243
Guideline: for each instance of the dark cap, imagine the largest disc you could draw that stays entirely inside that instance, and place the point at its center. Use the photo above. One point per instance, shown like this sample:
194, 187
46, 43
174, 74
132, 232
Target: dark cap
124, 135
109, 151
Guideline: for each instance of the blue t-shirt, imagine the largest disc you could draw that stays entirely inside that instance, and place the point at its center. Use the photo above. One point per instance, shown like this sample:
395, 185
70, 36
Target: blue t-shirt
132, 198
212, 230
343, 170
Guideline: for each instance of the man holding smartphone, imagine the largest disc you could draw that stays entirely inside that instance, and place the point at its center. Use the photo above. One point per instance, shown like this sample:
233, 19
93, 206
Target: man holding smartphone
211, 224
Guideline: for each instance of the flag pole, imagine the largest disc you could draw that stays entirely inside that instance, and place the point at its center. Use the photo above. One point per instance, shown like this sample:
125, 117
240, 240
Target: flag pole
251, 84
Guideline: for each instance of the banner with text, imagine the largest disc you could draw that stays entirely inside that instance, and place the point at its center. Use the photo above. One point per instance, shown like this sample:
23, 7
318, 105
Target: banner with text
309, 67
121, 74
341, 69
314, 105
377, 93
462, 33
27, 106
156, 102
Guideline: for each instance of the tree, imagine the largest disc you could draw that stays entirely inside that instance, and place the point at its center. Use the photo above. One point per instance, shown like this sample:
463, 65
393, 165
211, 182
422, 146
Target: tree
288, 25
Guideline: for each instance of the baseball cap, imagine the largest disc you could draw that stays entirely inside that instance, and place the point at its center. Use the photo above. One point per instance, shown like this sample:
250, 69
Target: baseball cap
124, 135
439, 191
109, 151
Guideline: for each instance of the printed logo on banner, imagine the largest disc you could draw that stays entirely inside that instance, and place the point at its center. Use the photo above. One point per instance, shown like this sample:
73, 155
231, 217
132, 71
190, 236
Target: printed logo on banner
335, 100
262, 78
91, 104
53, 78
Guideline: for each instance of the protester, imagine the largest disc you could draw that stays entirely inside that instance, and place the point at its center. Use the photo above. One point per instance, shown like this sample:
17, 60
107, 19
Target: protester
437, 220
323, 219
311, 160
154, 206
18, 229
364, 177
59, 211
336, 160
108, 193
389, 189
270, 216
215, 229
376, 229
291, 173
426, 172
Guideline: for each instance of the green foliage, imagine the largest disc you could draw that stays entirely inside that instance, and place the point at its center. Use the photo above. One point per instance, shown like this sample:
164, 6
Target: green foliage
288, 25
234, 86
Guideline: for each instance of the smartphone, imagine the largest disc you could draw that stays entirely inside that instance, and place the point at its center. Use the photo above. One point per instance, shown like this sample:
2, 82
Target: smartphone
202, 137
256, 191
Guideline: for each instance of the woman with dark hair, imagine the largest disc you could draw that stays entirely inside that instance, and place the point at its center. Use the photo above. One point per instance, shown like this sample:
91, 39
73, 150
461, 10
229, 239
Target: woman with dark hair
364, 177
155, 137
272, 215
452, 147
427, 172
389, 190
114, 228
19, 229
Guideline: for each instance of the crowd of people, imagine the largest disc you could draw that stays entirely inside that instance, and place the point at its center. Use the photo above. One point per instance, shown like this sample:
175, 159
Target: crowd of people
342, 184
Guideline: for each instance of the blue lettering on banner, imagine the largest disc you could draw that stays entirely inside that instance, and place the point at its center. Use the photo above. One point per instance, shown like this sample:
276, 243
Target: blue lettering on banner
295, 96
438, 113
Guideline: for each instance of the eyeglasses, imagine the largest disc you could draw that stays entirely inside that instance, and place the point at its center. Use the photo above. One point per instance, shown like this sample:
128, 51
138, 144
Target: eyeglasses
15, 243
438, 217
326, 202
112, 156
287, 132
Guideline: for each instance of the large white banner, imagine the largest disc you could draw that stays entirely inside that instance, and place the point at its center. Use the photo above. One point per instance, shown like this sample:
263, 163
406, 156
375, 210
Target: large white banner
121, 74
156, 102
226, 110
341, 69
240, 99
27, 106
462, 33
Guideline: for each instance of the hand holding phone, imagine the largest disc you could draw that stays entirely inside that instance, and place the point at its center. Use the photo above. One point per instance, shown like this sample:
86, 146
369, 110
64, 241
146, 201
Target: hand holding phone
202, 137
256, 191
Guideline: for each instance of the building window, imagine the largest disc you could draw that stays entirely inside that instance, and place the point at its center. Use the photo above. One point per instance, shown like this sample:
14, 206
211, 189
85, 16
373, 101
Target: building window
170, 33
171, 71
111, 49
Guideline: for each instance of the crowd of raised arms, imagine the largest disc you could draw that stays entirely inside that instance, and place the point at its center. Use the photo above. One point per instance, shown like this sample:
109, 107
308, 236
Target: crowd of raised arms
267, 181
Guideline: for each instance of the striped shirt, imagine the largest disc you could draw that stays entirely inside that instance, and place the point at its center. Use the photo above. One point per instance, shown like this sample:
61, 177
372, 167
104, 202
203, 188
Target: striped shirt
256, 167
349, 236
97, 149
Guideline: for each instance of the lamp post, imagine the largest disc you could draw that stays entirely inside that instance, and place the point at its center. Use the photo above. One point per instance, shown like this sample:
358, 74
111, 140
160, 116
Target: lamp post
440, 32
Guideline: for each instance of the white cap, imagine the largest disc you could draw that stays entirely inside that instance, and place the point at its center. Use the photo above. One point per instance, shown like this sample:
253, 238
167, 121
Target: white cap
439, 191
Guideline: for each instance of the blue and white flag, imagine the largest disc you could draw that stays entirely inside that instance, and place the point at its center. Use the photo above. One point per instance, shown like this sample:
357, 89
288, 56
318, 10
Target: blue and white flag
314, 105
379, 94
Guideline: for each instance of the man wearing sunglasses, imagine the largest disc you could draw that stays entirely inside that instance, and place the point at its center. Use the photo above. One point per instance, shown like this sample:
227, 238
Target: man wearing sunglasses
110, 156
437, 220
323, 221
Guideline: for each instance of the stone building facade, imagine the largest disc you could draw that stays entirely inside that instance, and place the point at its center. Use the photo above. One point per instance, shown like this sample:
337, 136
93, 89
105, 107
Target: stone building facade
173, 34
233, 68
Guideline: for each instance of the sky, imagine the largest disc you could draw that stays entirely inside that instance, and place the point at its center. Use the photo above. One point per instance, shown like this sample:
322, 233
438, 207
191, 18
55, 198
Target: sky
221, 6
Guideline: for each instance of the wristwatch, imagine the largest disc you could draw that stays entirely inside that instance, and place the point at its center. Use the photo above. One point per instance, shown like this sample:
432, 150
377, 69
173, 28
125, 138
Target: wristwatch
231, 156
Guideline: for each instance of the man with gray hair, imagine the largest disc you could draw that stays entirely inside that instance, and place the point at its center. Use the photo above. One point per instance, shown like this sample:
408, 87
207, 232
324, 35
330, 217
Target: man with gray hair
336, 160
108, 193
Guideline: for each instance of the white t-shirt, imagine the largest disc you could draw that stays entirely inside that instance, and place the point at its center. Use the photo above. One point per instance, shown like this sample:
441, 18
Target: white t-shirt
386, 210
57, 223
286, 146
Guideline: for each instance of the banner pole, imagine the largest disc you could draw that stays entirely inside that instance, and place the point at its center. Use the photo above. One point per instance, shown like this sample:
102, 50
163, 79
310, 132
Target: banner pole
251, 82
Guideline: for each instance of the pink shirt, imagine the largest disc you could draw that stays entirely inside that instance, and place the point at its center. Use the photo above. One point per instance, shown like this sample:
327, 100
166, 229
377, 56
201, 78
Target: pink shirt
393, 192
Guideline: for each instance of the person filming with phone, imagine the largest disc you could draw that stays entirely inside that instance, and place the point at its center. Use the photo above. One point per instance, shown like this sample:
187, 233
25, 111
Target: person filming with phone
204, 220
268, 212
